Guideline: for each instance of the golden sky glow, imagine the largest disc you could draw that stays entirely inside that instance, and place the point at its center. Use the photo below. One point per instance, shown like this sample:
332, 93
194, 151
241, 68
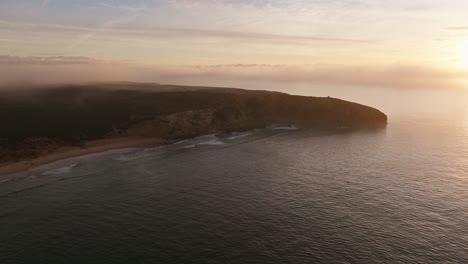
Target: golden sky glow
356, 39
464, 55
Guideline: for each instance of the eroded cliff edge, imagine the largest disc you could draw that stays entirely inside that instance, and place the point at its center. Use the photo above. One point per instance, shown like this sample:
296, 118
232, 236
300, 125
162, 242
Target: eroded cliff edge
37, 121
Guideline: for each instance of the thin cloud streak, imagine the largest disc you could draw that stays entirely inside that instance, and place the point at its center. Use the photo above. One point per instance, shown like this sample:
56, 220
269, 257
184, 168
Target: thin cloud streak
103, 29
108, 28
226, 31
458, 28
108, 25
45, 60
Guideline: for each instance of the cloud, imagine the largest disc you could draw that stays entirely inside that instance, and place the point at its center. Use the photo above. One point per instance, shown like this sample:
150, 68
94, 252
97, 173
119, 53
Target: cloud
132, 14
47, 60
227, 66
458, 28
109, 29
60, 70
54, 70
395, 76
105, 27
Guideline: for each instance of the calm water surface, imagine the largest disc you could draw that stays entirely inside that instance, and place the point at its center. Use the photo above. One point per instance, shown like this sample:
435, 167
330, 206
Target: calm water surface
398, 195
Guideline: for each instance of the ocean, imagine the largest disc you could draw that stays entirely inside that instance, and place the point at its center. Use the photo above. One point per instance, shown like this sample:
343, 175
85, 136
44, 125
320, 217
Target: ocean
274, 195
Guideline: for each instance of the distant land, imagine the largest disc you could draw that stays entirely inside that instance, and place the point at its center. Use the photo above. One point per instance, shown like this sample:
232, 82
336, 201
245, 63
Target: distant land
43, 124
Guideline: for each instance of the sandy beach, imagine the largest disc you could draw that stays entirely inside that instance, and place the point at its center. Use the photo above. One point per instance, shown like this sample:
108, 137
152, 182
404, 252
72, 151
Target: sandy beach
91, 147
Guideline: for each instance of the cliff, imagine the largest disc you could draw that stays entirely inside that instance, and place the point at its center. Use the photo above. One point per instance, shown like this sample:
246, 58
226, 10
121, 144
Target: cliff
40, 120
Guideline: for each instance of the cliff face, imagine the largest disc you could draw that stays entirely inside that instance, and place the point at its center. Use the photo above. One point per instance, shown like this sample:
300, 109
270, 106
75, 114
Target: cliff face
248, 110
176, 125
71, 115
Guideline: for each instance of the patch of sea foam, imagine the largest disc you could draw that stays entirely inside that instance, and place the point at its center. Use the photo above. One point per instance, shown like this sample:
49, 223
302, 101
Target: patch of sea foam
62, 170
237, 135
213, 142
138, 154
209, 140
285, 128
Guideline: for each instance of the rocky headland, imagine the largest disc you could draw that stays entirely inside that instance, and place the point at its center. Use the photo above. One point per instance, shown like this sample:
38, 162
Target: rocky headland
37, 122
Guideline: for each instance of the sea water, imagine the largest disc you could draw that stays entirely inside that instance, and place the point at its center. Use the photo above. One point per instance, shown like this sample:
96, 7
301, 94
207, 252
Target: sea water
395, 195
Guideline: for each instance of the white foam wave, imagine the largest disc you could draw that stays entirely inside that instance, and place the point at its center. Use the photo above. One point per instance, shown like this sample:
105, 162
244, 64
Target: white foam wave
211, 139
285, 128
237, 135
205, 137
62, 170
212, 142
126, 158
138, 154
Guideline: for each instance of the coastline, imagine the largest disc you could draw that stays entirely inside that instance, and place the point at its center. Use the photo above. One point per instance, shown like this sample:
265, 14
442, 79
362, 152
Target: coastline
13, 169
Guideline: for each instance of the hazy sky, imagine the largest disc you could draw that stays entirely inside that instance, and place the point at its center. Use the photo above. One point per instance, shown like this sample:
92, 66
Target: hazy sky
417, 43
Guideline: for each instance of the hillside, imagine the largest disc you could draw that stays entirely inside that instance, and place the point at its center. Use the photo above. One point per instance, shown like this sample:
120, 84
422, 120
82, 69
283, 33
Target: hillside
37, 121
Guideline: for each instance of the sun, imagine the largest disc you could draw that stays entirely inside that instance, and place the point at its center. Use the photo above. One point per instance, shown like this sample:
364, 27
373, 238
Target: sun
464, 55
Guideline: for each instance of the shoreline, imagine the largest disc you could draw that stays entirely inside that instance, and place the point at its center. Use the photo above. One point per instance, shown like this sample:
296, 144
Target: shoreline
102, 146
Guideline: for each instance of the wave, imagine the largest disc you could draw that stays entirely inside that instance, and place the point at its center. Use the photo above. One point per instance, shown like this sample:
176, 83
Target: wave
4, 181
180, 142
204, 137
126, 157
213, 142
62, 170
139, 154
285, 127
210, 140
236, 135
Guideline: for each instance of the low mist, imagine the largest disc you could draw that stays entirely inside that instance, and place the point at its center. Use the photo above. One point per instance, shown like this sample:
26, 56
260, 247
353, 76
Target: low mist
16, 71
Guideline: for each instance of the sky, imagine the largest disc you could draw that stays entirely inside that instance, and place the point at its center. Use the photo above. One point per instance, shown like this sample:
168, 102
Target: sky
374, 43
